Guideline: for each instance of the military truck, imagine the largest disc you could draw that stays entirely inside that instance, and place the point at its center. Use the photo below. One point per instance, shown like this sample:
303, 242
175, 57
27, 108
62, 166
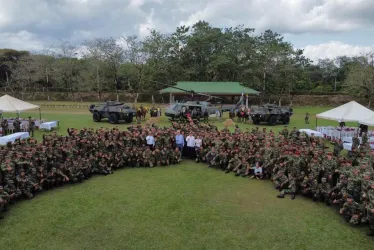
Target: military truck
112, 110
271, 114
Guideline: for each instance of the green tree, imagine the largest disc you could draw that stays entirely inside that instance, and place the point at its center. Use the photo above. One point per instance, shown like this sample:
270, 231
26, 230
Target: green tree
360, 78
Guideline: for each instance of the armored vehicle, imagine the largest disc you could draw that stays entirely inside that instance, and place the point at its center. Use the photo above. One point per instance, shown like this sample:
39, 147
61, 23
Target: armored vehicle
270, 114
113, 110
177, 110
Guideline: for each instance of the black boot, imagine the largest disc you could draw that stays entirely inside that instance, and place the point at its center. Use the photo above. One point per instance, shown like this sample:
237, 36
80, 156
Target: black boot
293, 196
280, 196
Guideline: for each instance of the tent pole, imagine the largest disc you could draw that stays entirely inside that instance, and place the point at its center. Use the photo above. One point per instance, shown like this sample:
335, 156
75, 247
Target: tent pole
341, 128
316, 122
40, 115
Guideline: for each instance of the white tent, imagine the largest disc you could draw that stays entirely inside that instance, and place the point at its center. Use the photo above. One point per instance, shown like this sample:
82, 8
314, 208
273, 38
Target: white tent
349, 112
369, 121
11, 104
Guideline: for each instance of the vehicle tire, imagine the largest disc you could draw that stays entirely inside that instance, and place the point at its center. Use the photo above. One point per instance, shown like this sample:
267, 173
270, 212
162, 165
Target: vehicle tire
272, 120
113, 118
130, 119
286, 119
256, 121
96, 116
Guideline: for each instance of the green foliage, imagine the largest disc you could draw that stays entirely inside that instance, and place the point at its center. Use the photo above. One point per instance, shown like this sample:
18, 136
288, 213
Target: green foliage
265, 62
360, 79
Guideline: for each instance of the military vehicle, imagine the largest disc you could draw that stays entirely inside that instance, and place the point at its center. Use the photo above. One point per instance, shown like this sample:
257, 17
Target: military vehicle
113, 110
271, 114
176, 110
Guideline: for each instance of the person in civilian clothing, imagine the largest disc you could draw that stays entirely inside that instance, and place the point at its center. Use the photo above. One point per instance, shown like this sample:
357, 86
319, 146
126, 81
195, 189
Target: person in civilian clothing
179, 140
150, 141
198, 144
190, 145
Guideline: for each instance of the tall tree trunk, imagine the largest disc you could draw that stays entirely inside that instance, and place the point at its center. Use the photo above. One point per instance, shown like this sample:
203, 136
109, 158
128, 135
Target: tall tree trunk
71, 90
136, 98
98, 82
47, 82
116, 83
263, 88
335, 84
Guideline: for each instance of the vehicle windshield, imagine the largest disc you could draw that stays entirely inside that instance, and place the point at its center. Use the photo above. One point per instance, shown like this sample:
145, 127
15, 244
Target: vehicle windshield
175, 107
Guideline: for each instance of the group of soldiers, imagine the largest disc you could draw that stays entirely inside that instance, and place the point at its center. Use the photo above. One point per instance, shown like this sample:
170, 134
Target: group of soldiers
28, 167
155, 111
17, 126
296, 163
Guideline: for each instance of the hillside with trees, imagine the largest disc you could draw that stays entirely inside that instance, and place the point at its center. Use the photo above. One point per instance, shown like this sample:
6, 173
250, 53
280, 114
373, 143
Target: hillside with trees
265, 62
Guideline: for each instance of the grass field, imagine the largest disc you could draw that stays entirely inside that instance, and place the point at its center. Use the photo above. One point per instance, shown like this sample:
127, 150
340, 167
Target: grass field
181, 207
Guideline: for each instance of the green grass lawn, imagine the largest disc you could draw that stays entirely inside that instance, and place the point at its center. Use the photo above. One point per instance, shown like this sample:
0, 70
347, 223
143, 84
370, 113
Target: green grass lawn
182, 207
187, 206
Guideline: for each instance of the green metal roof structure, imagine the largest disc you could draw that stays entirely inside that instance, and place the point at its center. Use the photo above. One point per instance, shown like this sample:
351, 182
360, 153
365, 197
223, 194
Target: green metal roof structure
214, 88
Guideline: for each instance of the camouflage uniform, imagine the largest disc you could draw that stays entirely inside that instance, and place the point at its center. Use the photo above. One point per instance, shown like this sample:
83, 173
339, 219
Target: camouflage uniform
351, 211
233, 164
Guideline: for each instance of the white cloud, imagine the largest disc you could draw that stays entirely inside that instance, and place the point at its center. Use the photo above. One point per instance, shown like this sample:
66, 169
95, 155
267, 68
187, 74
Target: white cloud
26, 24
22, 40
146, 27
334, 49
289, 15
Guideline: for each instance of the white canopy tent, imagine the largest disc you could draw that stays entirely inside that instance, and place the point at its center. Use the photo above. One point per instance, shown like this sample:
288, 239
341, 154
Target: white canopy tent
349, 112
369, 121
11, 104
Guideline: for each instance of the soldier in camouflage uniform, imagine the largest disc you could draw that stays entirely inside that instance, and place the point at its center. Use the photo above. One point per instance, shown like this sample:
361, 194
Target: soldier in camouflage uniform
24, 185
210, 156
233, 164
323, 191
338, 147
176, 156
4, 201
17, 125
31, 127
351, 211
148, 158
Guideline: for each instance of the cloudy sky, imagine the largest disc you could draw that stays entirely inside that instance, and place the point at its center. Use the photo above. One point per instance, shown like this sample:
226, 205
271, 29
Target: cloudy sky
324, 28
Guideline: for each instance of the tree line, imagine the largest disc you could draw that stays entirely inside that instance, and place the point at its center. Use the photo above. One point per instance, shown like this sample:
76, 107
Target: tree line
265, 62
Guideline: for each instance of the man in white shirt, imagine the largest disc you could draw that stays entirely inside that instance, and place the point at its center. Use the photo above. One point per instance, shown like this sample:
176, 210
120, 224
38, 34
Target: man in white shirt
198, 143
190, 139
150, 141
257, 171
